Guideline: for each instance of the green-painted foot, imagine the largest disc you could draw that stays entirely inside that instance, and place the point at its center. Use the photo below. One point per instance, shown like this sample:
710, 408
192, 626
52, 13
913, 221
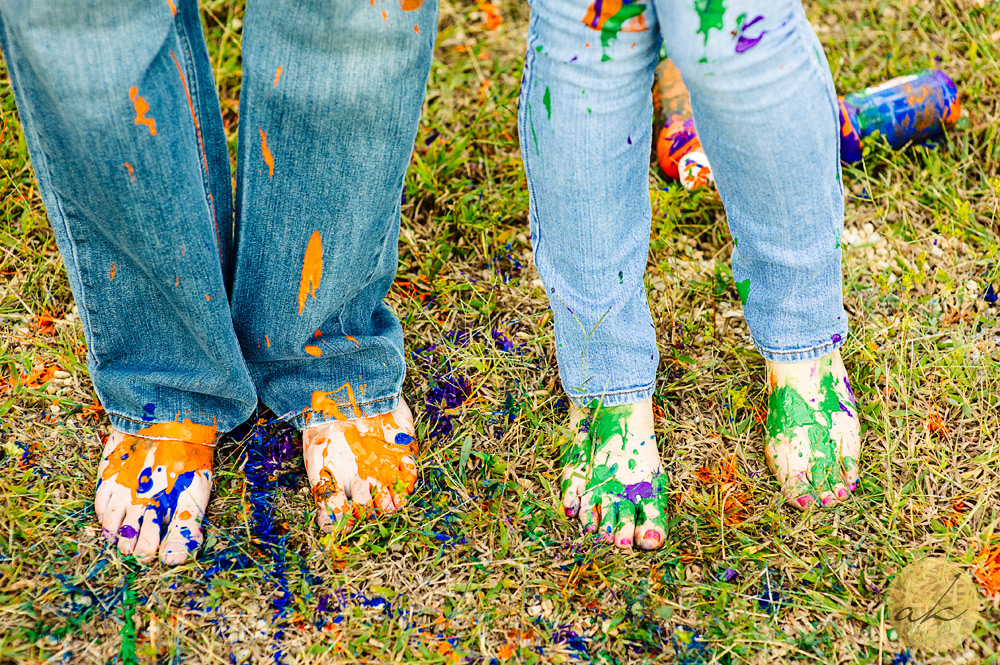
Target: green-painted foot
612, 476
813, 438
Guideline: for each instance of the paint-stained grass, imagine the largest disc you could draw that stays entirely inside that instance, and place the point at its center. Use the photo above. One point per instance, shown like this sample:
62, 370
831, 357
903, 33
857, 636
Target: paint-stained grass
483, 565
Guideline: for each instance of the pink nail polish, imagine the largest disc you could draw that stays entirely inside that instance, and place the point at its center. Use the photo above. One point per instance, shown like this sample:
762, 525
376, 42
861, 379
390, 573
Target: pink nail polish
841, 493
653, 536
827, 500
805, 500
626, 542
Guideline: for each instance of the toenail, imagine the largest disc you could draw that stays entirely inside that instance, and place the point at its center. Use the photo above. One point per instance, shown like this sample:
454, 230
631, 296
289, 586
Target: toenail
841, 493
570, 511
854, 485
827, 500
626, 542
805, 500
653, 536
128, 531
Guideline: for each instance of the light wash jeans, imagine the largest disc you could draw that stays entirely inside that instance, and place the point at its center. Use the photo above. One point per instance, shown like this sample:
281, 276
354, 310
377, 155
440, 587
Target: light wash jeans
192, 312
766, 113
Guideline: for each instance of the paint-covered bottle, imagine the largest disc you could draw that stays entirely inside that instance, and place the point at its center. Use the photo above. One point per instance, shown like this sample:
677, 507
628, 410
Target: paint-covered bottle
676, 137
906, 109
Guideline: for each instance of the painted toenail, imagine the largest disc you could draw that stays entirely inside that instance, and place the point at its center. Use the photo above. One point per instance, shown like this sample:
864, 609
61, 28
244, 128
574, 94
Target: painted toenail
854, 485
626, 542
841, 493
570, 512
653, 536
128, 531
805, 500
827, 500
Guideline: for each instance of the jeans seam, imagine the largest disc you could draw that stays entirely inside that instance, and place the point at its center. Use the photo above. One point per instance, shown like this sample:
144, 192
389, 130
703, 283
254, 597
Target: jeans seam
809, 349
617, 392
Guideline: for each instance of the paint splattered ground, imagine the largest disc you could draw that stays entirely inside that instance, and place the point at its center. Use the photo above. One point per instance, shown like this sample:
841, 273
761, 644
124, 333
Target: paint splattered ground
483, 566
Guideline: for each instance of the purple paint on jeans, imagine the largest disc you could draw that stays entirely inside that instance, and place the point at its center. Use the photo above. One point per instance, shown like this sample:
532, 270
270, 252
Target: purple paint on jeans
598, 10
128, 531
744, 43
636, 491
836, 338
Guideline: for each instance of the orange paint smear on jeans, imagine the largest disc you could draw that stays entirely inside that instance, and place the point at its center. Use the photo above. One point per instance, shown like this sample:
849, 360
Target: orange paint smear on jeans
267, 340
141, 109
411, 5
277, 75
353, 340
201, 144
131, 172
312, 269
313, 350
268, 157
173, 7
322, 403
608, 8
186, 431
113, 271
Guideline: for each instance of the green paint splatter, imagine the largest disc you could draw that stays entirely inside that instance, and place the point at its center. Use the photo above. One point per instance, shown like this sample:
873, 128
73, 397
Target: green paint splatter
743, 288
710, 13
547, 100
621, 276
531, 124
127, 650
614, 24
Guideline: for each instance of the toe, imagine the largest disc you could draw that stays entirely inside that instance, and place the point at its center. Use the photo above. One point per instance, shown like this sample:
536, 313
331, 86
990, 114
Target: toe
589, 512
840, 492
149, 537
114, 515
361, 496
651, 531
608, 521
128, 532
184, 535
383, 501
625, 531
827, 498
573, 484
333, 511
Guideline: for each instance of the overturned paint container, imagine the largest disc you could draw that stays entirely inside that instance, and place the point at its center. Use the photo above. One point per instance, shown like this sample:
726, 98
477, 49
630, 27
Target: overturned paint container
906, 109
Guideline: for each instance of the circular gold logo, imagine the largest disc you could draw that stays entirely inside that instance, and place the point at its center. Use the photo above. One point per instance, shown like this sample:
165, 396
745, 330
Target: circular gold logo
933, 605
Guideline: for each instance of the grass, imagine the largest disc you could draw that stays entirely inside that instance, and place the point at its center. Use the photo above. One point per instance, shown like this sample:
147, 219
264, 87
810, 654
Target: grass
483, 565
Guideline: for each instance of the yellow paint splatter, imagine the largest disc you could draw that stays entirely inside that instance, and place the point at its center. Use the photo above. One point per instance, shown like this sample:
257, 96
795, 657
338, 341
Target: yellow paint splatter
312, 269
268, 157
277, 75
141, 109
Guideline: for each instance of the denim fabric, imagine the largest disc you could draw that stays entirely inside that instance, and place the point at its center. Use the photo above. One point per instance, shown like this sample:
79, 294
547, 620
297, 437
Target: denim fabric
766, 113
192, 312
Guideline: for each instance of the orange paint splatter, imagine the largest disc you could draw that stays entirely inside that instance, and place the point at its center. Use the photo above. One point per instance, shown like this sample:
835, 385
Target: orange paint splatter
988, 570
131, 172
201, 144
268, 157
184, 515
416, 28
322, 403
492, 19
177, 280
174, 456
385, 16
352, 339
113, 271
313, 350
173, 7
410, 5
934, 424
141, 109
267, 340
379, 458
600, 11
208, 297
312, 269
277, 75
317, 334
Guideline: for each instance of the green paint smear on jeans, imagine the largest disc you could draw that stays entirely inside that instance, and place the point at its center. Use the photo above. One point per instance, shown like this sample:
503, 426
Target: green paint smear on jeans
743, 288
127, 650
614, 24
787, 410
710, 14
547, 100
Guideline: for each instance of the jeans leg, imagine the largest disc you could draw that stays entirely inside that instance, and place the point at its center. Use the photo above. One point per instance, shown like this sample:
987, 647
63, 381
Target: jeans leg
330, 102
766, 113
585, 122
122, 122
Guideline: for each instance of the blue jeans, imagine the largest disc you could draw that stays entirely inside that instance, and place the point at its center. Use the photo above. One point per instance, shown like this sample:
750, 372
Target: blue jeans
766, 114
194, 309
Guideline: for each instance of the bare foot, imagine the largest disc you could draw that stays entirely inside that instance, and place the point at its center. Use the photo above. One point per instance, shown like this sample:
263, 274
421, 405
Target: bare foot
360, 466
813, 439
612, 477
152, 492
